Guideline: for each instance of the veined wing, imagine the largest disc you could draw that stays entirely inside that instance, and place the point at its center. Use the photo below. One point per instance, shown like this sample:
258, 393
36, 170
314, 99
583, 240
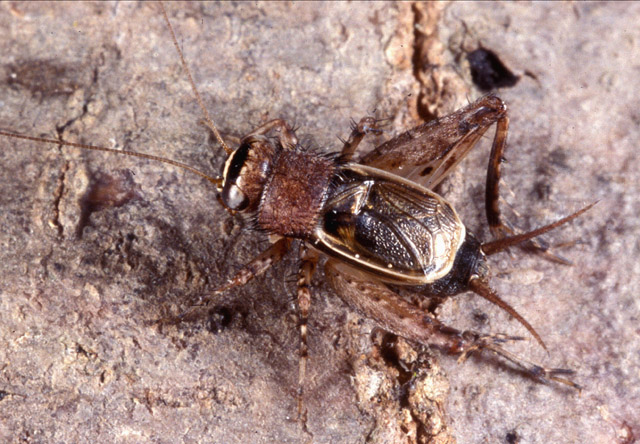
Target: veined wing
427, 153
389, 226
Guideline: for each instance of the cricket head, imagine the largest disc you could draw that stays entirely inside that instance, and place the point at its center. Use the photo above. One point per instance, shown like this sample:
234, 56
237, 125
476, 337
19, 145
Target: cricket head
245, 173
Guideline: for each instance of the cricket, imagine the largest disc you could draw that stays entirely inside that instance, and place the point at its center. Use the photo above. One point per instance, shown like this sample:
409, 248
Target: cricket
370, 224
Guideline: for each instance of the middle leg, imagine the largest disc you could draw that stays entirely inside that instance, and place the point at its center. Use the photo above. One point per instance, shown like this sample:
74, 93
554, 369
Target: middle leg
358, 131
309, 260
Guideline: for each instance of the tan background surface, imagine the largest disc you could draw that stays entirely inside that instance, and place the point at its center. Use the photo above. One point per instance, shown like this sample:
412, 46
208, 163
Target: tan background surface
79, 362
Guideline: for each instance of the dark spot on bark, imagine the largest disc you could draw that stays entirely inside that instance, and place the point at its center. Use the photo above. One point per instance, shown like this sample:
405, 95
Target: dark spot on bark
559, 158
219, 319
488, 72
480, 317
107, 191
81, 351
388, 349
542, 190
46, 78
110, 191
512, 437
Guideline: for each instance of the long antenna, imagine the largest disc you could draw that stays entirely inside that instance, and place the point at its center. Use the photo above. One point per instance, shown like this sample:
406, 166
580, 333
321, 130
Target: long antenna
207, 118
213, 180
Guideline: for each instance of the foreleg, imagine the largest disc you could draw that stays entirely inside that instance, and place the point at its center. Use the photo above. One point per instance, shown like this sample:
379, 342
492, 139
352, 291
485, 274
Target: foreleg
256, 267
285, 134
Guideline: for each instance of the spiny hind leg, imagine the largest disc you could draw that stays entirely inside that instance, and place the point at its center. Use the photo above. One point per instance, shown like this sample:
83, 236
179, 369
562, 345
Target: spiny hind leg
393, 313
475, 342
498, 226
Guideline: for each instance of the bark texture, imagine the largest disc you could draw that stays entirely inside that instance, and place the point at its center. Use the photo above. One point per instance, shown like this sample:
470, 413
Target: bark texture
96, 247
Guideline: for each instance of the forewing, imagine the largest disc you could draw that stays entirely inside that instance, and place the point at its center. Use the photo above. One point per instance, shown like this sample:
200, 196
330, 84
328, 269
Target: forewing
427, 153
389, 226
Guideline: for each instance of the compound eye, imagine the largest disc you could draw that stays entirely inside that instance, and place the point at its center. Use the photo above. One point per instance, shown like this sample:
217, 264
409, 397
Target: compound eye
234, 198
232, 195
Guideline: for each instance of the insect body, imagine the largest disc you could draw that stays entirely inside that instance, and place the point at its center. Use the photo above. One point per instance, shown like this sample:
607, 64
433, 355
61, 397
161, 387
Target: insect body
380, 231
377, 225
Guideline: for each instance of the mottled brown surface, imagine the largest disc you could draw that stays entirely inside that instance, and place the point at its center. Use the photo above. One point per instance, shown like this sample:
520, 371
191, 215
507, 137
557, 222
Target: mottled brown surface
79, 282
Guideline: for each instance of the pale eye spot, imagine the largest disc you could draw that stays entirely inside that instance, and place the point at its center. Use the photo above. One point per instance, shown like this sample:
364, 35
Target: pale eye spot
235, 198
357, 256
389, 265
